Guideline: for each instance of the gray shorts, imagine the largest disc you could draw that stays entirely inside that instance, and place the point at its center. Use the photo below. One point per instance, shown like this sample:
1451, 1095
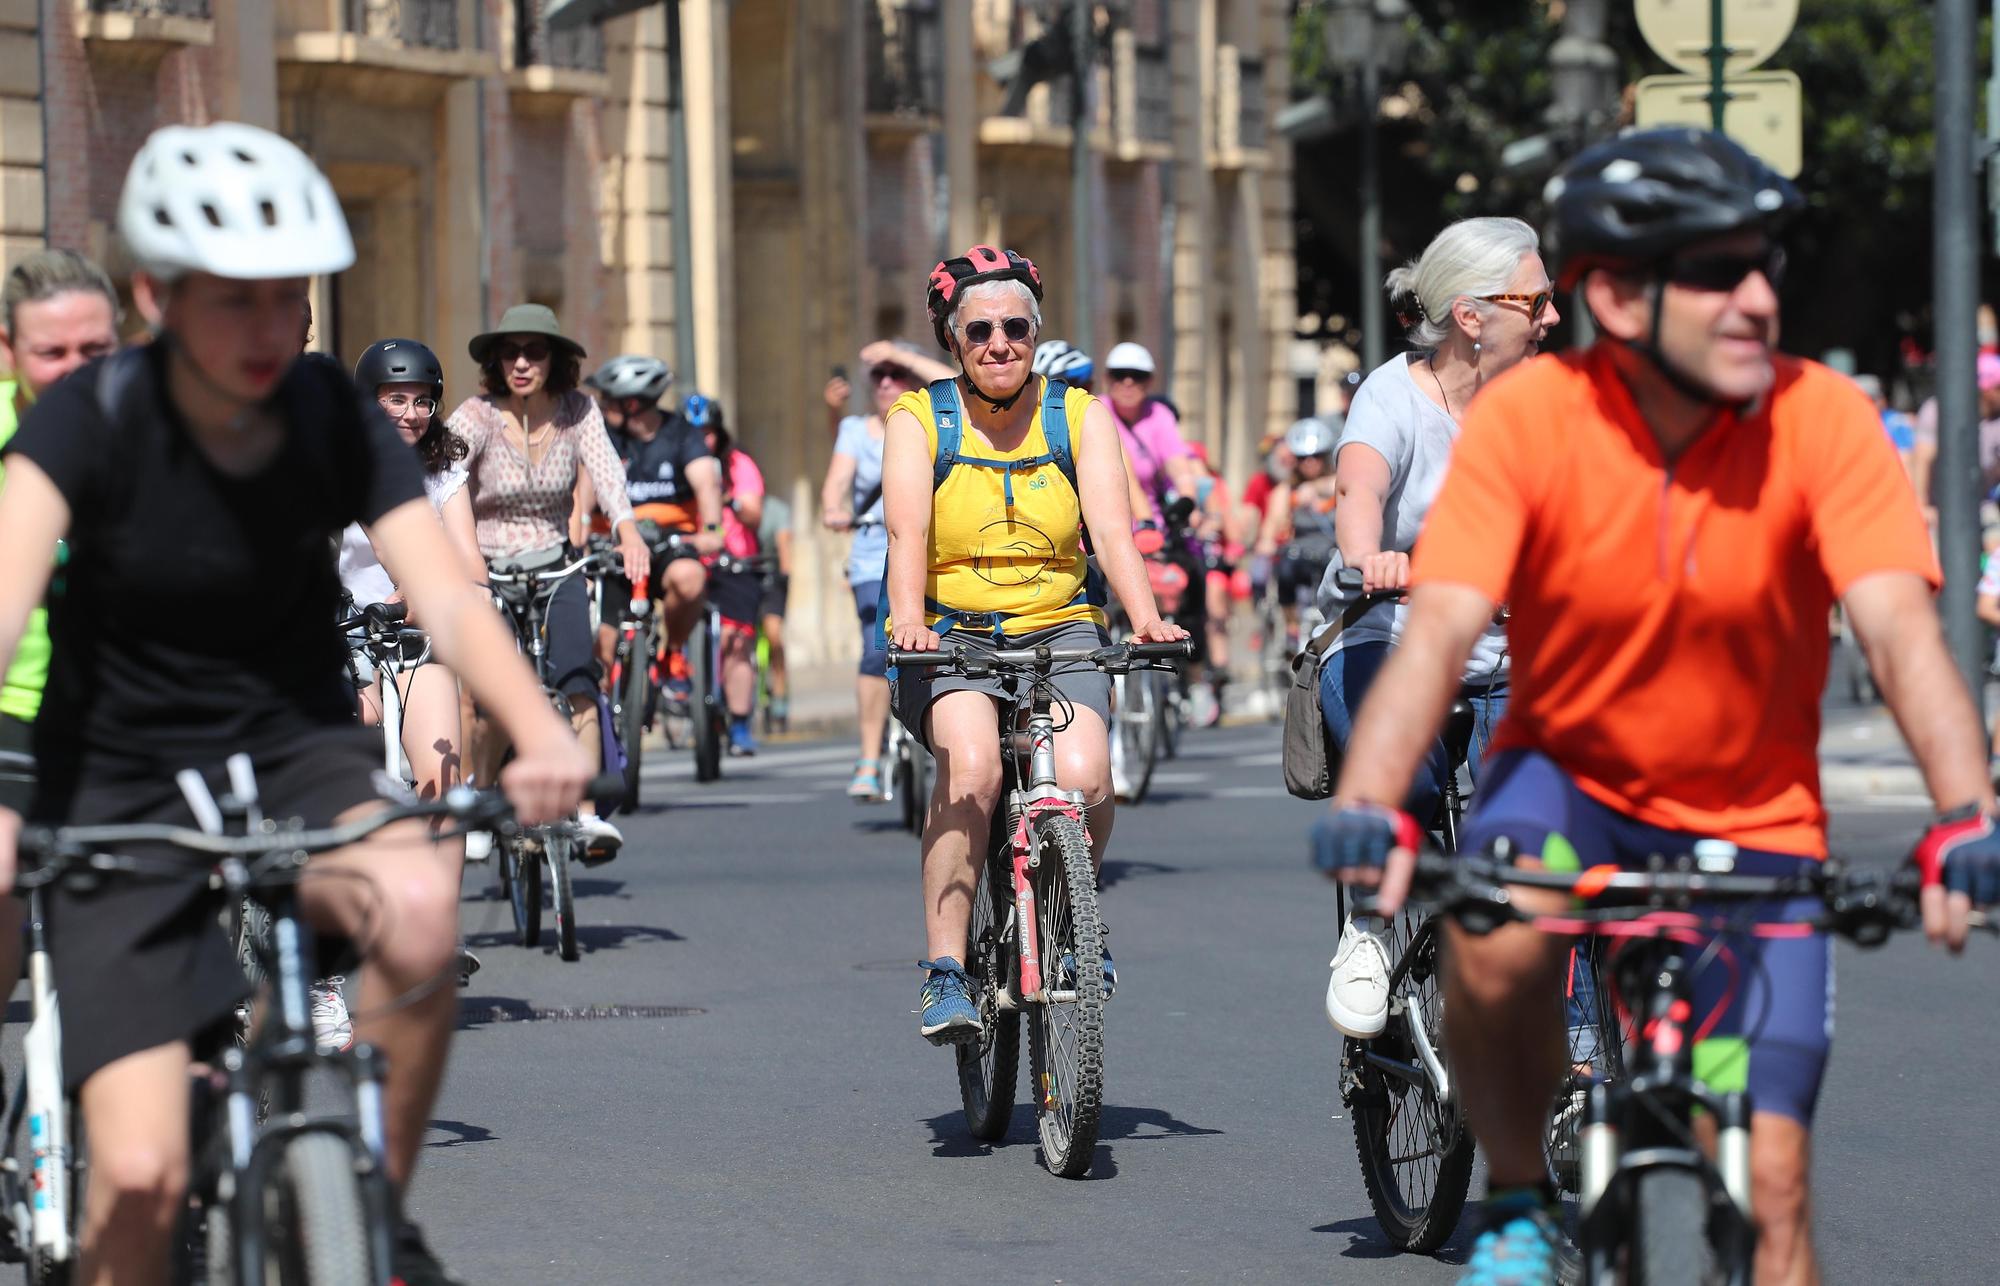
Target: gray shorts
915, 687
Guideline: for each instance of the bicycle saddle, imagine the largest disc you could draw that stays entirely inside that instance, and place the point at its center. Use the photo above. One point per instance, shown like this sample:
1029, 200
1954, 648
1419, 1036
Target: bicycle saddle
1458, 731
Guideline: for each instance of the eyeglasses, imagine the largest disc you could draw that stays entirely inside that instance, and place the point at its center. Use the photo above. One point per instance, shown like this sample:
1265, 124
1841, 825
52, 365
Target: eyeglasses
980, 332
400, 404
534, 350
1130, 377
1537, 303
877, 374
1727, 271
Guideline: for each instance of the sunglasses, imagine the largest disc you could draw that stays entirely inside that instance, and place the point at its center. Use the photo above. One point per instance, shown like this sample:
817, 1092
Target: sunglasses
534, 350
1537, 303
1722, 272
1129, 377
399, 404
980, 332
877, 374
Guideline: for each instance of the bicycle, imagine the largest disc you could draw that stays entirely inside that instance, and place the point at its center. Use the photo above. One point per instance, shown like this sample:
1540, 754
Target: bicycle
1138, 720
1652, 1206
708, 707
911, 774
1046, 953
300, 1191
41, 1207
534, 859
378, 640
638, 664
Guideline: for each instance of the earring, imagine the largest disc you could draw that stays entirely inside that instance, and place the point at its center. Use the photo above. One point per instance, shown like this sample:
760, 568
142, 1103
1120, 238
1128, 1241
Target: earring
1475, 350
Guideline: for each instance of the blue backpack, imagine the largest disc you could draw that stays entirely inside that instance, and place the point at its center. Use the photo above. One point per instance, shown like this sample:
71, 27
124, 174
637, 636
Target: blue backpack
950, 421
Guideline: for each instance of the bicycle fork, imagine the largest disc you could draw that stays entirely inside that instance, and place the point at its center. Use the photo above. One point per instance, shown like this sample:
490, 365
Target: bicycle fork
48, 1124
1042, 795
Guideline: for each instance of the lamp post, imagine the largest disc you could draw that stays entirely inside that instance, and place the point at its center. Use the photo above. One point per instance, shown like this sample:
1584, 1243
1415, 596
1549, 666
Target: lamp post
1364, 38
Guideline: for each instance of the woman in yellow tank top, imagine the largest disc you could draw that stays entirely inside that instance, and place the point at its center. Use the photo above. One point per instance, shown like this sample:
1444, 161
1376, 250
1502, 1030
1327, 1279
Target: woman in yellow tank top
996, 548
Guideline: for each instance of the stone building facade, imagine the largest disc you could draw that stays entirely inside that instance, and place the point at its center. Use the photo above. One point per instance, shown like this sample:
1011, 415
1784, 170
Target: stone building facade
836, 149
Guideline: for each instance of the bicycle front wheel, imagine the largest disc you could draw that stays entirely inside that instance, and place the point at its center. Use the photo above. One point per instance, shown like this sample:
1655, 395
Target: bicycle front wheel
1415, 1152
321, 1234
525, 890
1066, 1046
561, 897
704, 704
633, 698
987, 1071
1670, 1245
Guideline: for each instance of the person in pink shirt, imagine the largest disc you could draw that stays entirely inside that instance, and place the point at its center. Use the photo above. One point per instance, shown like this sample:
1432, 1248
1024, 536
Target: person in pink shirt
736, 594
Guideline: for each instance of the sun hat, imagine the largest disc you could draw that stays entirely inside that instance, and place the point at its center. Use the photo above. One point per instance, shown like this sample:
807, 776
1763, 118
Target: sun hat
523, 319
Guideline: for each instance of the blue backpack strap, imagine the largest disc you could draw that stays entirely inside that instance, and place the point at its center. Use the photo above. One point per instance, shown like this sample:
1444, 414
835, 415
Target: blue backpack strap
950, 429
1055, 428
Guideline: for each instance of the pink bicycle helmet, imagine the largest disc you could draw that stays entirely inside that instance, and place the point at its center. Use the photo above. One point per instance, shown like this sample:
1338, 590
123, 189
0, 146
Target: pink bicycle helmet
981, 263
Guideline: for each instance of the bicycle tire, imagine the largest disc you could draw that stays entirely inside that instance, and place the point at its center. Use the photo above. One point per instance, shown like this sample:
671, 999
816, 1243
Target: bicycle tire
525, 892
1417, 1196
989, 1071
217, 1248
634, 697
1066, 1045
1670, 1245
923, 776
1168, 700
1137, 714
322, 1232
903, 785
703, 704
562, 896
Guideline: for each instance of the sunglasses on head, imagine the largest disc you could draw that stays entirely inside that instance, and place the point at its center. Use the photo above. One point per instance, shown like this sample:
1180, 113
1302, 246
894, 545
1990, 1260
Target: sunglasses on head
1016, 329
534, 350
1537, 303
1129, 377
876, 374
1727, 271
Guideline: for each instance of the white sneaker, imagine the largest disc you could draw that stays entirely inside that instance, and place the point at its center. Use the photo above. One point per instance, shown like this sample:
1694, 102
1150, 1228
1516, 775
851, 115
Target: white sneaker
601, 840
479, 846
1204, 711
1357, 996
333, 1029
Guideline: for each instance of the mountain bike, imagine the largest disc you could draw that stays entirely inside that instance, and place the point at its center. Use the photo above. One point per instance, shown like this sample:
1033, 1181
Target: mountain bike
638, 663
535, 859
1654, 1207
1036, 939
708, 706
379, 644
911, 774
302, 1194
1138, 719
41, 1176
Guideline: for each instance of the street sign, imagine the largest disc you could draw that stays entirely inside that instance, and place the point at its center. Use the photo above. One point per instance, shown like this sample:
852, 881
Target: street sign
1765, 112
1678, 31
569, 15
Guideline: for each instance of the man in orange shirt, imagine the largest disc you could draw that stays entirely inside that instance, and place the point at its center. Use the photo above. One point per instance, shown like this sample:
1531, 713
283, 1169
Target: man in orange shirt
1669, 514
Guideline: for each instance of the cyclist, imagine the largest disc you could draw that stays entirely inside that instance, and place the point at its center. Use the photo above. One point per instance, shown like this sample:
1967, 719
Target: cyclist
1669, 514
1057, 360
735, 594
172, 654
674, 482
1298, 531
775, 534
530, 434
58, 310
851, 500
1478, 302
992, 549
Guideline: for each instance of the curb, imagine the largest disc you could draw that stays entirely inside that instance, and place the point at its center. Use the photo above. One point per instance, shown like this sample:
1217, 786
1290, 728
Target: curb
1862, 781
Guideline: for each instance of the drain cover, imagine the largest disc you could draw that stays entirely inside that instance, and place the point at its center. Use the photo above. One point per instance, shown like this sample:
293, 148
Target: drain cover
519, 1012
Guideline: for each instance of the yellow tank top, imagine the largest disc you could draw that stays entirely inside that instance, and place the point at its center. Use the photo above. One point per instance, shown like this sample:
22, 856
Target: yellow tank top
1024, 562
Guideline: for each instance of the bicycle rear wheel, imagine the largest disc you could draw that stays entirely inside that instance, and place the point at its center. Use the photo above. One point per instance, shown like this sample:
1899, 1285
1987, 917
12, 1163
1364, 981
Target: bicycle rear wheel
561, 898
1066, 1045
525, 890
1137, 716
988, 1071
704, 703
634, 695
320, 1237
1415, 1152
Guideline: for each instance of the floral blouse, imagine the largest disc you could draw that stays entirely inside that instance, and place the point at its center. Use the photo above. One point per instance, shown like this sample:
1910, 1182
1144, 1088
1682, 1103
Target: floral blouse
518, 507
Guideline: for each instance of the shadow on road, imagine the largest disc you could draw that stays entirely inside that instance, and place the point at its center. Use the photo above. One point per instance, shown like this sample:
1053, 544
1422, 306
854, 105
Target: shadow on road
476, 1013
462, 1133
1143, 1123
590, 888
950, 1138
610, 937
1365, 1241
1116, 869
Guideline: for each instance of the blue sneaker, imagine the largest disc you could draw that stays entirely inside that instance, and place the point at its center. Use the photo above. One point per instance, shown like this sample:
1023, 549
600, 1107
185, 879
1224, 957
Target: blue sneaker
741, 744
1066, 974
1521, 1245
949, 1014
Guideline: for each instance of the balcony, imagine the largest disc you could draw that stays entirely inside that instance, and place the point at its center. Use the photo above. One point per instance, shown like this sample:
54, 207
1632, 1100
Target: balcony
143, 31
402, 52
906, 63
552, 67
419, 24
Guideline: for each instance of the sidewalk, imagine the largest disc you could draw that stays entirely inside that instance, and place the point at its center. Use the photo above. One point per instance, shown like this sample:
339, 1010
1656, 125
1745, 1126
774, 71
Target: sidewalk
1862, 757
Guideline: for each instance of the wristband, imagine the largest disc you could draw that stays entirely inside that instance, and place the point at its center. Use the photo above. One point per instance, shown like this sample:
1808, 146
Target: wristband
711, 526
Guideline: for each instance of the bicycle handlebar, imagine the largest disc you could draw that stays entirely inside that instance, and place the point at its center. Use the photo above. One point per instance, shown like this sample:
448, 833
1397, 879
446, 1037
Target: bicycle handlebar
596, 560
1111, 657
376, 618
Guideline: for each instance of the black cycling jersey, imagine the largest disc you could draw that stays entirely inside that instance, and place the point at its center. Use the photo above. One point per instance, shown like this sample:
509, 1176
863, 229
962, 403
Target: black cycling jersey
195, 615
656, 470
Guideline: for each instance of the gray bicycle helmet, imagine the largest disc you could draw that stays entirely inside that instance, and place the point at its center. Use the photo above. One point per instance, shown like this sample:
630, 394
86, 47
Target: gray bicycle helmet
633, 375
1310, 436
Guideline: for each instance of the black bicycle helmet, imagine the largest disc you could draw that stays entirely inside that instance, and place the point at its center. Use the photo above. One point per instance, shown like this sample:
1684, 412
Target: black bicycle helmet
399, 361
1634, 200
633, 375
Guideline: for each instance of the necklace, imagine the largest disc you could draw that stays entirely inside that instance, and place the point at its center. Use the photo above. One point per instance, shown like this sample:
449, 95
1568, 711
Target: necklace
1432, 365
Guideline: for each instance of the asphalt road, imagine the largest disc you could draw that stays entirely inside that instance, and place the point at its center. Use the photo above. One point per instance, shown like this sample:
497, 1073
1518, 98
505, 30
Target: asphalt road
775, 1116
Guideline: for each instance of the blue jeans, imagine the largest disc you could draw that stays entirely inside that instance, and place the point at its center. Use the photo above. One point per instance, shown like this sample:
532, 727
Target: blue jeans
1344, 679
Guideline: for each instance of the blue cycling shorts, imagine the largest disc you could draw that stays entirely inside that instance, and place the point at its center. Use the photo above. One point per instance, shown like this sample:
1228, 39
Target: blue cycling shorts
1774, 1034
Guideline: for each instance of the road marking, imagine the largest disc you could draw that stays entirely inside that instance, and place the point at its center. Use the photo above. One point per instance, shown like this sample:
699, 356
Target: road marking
1250, 792
680, 763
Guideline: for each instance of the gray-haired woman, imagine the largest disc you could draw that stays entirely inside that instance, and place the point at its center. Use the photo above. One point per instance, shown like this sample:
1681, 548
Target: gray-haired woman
1476, 302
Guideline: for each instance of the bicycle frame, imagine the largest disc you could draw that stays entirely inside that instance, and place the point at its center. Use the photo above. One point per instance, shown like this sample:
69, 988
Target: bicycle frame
41, 1215
1039, 796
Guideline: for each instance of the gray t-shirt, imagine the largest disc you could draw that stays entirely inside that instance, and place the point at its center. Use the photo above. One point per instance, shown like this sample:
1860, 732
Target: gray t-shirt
1391, 414
870, 550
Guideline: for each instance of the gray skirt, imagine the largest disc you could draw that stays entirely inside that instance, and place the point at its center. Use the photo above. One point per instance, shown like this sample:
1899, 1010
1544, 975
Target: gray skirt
914, 687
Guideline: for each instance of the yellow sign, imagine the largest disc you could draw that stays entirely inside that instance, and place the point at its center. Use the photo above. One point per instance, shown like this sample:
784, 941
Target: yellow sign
1678, 31
1764, 114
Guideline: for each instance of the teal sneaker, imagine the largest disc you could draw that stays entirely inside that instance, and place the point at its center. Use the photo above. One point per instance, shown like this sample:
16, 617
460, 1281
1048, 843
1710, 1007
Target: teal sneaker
1522, 1244
949, 1015
1065, 979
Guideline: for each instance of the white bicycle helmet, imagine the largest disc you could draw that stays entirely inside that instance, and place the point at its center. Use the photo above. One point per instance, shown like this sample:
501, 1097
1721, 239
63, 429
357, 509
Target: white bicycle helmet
1310, 437
1057, 360
233, 200
1129, 356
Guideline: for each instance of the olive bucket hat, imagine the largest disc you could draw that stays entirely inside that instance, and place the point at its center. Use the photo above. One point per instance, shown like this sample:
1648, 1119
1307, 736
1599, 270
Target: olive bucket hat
523, 319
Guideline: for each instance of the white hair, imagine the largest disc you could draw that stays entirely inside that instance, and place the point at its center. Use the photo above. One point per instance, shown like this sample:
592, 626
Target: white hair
1470, 258
1005, 286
